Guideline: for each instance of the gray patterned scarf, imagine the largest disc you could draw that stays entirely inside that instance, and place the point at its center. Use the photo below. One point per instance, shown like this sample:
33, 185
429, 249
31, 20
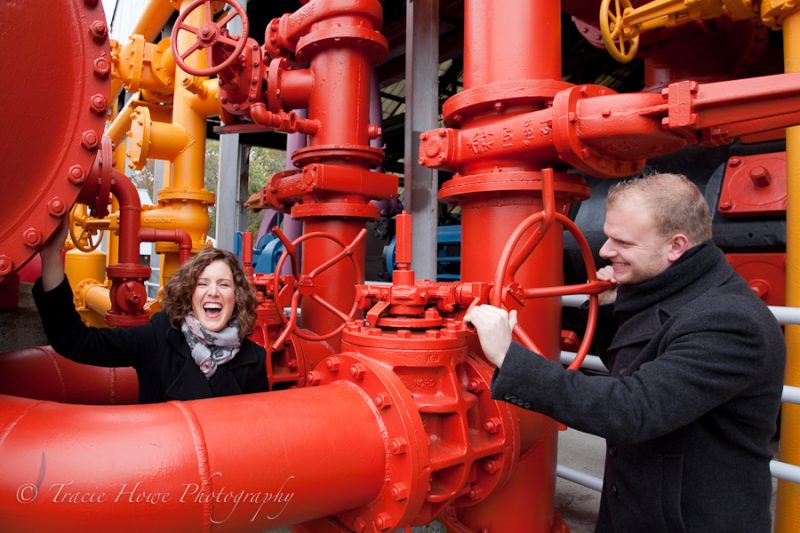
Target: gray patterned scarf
210, 348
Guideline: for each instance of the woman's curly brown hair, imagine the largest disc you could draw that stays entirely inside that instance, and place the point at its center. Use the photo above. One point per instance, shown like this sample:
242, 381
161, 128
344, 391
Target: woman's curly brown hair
178, 300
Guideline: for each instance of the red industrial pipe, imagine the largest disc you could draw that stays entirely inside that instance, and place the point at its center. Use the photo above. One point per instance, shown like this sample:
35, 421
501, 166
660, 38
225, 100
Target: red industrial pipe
42, 374
498, 185
238, 463
178, 236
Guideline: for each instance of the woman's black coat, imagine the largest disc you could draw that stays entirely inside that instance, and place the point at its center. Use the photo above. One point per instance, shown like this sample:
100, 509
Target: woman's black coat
696, 372
156, 350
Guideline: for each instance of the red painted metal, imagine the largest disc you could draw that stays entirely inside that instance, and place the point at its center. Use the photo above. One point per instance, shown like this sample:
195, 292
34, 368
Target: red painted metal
185, 471
45, 166
765, 273
213, 36
326, 41
754, 186
41, 373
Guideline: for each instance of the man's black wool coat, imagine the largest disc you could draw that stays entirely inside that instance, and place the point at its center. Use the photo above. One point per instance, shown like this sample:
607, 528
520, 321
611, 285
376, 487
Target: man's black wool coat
156, 350
696, 370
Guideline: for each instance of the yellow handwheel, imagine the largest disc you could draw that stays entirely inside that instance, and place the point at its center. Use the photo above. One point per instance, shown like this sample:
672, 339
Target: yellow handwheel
615, 35
85, 237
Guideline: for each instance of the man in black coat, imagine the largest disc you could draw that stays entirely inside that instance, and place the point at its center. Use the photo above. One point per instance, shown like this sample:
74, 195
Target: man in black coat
696, 366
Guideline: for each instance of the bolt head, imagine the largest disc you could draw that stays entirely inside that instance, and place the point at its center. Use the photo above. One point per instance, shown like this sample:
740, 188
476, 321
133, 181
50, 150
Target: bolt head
6, 265
76, 175
56, 206
101, 67
32, 237
90, 141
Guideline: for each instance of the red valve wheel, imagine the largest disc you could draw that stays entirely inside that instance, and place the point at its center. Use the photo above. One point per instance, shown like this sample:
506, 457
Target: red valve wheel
209, 34
506, 287
303, 284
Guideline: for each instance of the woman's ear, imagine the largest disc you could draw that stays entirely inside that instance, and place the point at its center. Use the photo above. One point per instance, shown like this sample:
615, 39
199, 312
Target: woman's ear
678, 245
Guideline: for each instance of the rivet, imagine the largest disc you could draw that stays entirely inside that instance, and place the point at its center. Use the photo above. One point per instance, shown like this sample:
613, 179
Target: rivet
313, 378
101, 67
606, 113
6, 265
76, 175
725, 205
89, 140
474, 385
32, 237
98, 104
734, 162
56, 206
498, 106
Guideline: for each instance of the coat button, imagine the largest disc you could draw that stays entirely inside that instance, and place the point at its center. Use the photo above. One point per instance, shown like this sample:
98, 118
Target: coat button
614, 490
612, 451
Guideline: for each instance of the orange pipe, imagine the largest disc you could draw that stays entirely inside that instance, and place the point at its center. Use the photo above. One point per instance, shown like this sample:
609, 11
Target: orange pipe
42, 374
179, 236
238, 463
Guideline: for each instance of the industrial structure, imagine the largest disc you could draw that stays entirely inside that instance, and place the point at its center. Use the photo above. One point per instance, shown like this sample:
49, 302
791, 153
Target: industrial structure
379, 415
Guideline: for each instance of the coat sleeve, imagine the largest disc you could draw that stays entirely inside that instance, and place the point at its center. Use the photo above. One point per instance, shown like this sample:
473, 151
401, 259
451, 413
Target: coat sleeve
70, 337
699, 369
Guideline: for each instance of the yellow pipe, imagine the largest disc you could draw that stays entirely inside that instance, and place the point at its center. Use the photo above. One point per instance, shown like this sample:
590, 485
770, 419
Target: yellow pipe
121, 124
787, 511
155, 15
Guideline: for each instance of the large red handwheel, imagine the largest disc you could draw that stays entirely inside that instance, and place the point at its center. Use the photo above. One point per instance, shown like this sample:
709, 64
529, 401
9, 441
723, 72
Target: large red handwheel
209, 34
506, 287
304, 284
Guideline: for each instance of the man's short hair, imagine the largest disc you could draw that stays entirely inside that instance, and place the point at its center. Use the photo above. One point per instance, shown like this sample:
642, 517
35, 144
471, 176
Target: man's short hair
676, 203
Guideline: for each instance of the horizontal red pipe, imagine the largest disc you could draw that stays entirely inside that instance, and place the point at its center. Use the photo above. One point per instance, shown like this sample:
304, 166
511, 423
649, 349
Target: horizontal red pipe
179, 236
238, 463
43, 374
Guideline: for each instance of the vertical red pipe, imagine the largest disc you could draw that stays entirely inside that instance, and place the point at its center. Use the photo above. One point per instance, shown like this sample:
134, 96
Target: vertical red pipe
503, 42
511, 40
340, 101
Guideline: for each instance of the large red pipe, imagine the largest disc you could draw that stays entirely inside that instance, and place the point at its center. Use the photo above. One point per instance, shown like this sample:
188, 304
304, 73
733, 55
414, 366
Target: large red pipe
42, 374
239, 463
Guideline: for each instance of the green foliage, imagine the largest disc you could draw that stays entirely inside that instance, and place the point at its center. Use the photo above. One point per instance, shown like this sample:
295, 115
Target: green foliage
264, 162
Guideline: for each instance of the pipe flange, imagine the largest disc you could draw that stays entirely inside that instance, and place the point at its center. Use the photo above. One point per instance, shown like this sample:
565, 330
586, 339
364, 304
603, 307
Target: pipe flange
170, 194
572, 186
348, 152
369, 41
139, 138
406, 472
335, 210
567, 140
494, 97
53, 161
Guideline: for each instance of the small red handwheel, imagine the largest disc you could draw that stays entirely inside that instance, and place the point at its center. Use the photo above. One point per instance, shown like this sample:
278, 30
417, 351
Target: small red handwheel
209, 34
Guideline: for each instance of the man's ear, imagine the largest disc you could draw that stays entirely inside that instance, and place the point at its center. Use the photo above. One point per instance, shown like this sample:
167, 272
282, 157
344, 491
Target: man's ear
678, 245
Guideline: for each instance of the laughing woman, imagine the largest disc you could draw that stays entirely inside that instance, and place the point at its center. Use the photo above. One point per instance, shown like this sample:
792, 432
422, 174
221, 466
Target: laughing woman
196, 347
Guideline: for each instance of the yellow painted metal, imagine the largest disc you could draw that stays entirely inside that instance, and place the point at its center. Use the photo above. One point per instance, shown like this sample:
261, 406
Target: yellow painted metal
150, 139
787, 511
86, 270
119, 127
775, 12
203, 95
621, 23
146, 67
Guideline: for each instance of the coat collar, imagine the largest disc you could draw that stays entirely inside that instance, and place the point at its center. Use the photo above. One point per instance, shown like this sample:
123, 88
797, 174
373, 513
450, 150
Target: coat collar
700, 269
191, 384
